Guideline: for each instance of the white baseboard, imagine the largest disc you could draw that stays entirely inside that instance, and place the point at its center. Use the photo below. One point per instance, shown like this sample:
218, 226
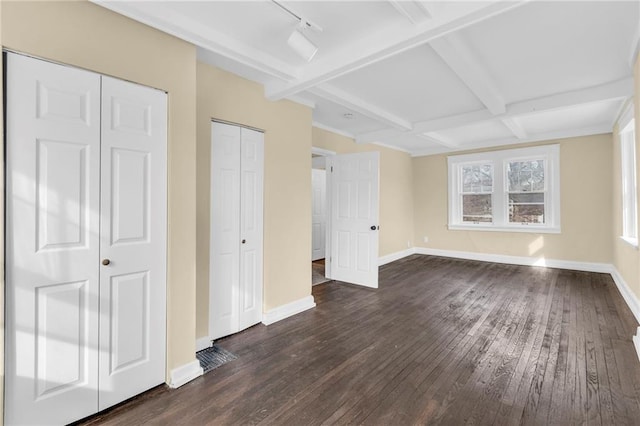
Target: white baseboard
185, 373
519, 260
383, 260
290, 309
636, 342
627, 295
203, 343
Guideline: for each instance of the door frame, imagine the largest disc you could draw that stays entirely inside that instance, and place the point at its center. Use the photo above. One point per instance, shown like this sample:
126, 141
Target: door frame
327, 239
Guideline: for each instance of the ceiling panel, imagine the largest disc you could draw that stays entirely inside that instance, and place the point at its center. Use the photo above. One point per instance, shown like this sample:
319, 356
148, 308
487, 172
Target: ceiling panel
576, 117
543, 48
416, 85
333, 115
477, 132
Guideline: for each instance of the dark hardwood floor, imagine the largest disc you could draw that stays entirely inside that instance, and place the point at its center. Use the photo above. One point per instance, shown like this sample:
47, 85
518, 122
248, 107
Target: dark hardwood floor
442, 341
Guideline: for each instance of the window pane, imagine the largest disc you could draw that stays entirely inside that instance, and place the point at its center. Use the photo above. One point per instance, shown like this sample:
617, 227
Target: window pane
477, 178
526, 208
526, 176
476, 208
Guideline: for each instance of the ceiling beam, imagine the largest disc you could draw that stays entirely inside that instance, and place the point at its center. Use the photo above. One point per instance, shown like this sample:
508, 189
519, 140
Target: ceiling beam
426, 8
154, 14
384, 44
515, 127
457, 55
360, 106
619, 89
408, 9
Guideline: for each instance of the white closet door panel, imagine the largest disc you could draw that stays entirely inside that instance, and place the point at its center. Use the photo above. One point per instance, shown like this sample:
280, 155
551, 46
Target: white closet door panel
133, 239
354, 218
251, 207
53, 149
225, 230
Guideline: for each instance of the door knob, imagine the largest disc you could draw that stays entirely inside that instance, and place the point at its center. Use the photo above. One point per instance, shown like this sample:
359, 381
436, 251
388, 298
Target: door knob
105, 262
244, 241
374, 227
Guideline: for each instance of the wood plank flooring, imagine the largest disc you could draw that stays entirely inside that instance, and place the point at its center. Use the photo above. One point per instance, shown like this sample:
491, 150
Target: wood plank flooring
442, 341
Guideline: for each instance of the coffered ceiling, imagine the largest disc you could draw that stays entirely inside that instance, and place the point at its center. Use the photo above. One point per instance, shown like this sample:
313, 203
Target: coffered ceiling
424, 76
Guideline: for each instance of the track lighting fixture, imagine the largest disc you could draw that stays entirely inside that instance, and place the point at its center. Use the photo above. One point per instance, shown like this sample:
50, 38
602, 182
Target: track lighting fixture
298, 41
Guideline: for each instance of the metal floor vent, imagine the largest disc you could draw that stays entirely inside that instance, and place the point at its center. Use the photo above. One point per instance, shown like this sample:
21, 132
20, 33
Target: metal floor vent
213, 357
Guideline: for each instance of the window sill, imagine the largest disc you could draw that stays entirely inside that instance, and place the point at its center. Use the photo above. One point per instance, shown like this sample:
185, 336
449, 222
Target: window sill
633, 242
494, 228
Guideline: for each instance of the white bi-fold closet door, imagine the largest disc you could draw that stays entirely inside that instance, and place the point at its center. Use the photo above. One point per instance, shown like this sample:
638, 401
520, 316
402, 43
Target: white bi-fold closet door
235, 277
86, 241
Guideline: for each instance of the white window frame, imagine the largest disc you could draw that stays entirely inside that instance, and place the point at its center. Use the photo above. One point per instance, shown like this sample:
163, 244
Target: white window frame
550, 154
628, 163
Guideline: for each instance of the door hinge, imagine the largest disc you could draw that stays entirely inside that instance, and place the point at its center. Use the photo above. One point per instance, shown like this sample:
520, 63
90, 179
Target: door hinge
331, 169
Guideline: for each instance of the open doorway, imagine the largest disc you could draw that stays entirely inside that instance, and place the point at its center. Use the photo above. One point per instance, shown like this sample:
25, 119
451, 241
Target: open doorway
319, 215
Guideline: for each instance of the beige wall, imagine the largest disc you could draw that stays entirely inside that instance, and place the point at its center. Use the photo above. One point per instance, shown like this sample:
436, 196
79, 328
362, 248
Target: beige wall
88, 36
287, 184
585, 208
396, 202
626, 258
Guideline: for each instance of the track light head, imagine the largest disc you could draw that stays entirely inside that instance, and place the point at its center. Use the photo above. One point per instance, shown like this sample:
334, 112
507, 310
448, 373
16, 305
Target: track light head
301, 44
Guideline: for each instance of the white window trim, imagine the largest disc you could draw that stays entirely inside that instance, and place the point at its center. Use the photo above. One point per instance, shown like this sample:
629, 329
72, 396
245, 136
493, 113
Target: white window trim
500, 159
626, 124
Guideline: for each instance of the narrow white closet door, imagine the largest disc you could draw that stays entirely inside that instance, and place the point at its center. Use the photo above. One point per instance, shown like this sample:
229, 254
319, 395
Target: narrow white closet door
224, 265
251, 207
53, 154
133, 240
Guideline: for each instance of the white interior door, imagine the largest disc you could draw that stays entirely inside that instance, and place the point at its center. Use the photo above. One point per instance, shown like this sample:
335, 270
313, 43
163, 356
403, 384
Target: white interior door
224, 264
235, 288
318, 213
251, 221
354, 218
133, 240
53, 166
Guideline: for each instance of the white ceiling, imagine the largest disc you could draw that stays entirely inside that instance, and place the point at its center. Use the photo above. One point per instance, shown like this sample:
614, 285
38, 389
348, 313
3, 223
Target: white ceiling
425, 76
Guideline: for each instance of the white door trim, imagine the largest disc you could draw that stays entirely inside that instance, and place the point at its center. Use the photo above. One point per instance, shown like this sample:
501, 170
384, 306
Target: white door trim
327, 240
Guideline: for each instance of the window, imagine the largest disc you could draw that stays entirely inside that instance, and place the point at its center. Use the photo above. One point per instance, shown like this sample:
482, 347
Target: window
629, 185
510, 190
477, 188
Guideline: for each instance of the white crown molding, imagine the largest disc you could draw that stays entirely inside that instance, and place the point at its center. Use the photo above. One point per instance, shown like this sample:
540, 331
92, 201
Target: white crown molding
185, 373
285, 311
384, 44
331, 129
158, 16
539, 137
